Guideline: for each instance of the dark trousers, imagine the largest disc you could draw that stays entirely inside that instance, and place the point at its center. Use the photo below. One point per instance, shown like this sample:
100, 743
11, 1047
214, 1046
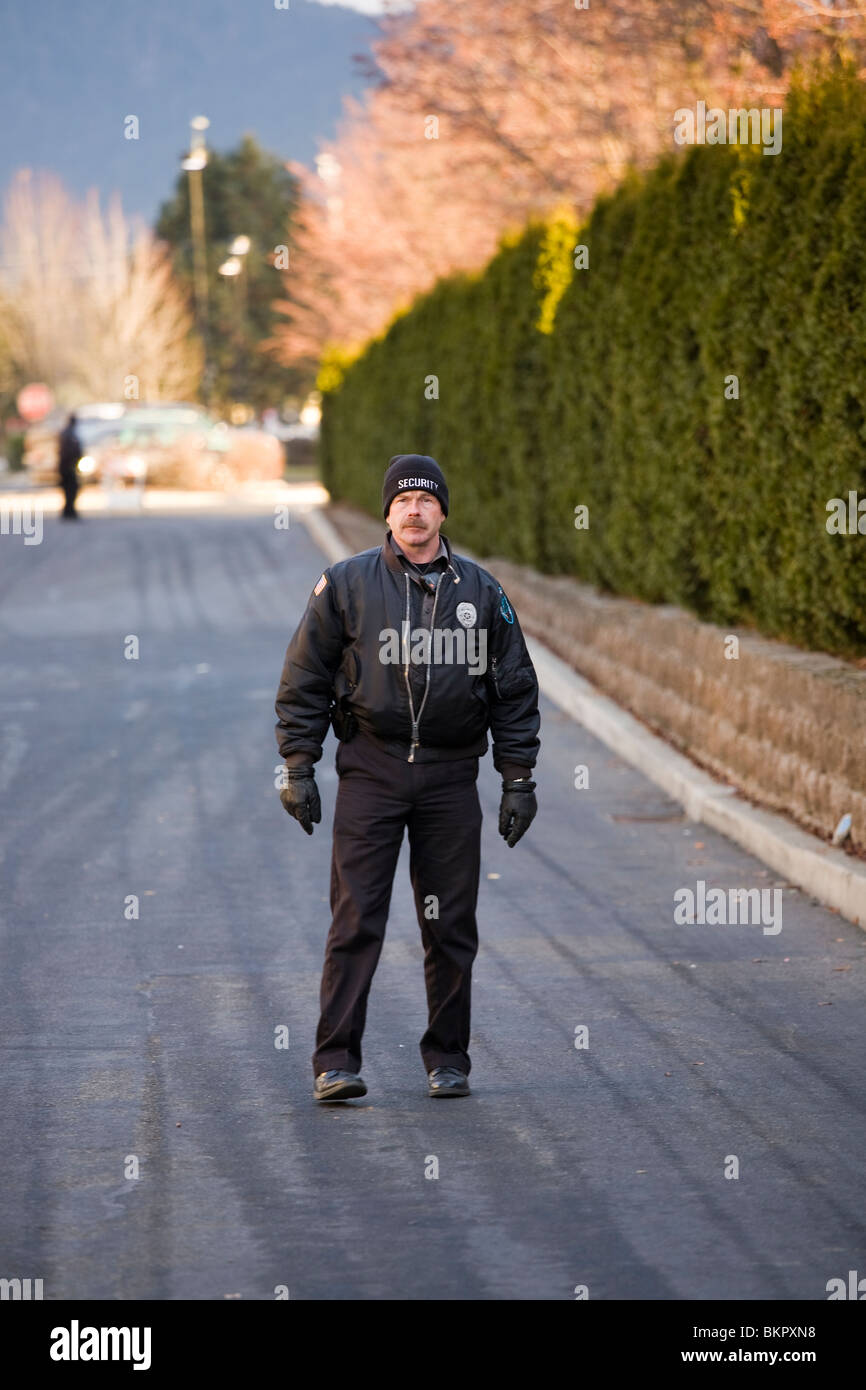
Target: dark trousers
69, 483
379, 795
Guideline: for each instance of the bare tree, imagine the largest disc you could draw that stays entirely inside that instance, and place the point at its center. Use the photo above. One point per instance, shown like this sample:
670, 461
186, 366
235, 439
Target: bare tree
89, 302
533, 102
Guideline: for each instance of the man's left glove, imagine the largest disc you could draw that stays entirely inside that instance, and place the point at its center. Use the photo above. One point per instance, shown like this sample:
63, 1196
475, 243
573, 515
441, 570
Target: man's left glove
517, 809
300, 796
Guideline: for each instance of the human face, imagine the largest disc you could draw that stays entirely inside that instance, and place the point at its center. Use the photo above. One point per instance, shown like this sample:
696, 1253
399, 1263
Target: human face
415, 518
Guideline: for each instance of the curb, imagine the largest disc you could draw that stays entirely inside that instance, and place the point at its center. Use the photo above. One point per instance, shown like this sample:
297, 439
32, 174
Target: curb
821, 870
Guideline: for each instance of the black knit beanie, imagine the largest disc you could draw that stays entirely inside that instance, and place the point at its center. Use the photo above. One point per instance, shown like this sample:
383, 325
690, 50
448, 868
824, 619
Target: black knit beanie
411, 473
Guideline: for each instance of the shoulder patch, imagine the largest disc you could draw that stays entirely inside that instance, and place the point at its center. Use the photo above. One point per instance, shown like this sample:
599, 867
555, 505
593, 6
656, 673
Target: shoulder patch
504, 606
321, 584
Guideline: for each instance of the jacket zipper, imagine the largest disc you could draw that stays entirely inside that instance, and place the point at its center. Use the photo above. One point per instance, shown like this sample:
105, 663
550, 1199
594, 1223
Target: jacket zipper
416, 718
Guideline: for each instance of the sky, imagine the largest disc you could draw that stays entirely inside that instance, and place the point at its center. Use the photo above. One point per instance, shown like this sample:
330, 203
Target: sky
367, 6
72, 72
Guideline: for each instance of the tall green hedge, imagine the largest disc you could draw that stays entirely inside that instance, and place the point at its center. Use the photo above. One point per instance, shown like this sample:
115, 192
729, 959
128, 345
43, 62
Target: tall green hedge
605, 386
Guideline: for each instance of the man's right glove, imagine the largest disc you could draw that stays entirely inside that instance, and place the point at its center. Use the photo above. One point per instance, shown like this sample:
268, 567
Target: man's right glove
300, 796
517, 809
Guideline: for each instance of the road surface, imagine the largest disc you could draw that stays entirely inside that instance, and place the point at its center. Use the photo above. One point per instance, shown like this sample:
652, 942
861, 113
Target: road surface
159, 1144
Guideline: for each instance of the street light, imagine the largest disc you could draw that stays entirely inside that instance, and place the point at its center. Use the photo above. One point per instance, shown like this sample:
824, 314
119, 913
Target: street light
234, 263
232, 268
194, 163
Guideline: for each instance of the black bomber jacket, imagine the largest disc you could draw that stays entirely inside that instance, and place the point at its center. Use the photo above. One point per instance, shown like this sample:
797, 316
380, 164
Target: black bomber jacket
370, 623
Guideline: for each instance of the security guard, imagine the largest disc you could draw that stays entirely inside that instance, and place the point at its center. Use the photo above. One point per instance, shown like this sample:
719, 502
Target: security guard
412, 653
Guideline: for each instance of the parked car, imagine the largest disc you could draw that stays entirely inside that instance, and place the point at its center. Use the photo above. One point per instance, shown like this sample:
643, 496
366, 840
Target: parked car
95, 421
170, 444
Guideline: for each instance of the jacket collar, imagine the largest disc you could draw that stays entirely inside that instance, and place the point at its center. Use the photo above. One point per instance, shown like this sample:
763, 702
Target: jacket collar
392, 558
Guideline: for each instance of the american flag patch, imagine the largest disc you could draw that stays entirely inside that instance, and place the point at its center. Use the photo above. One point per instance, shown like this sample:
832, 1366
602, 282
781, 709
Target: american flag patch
321, 584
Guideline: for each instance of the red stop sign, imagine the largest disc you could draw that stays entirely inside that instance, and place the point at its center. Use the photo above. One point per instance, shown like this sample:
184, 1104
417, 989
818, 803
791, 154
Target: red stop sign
34, 401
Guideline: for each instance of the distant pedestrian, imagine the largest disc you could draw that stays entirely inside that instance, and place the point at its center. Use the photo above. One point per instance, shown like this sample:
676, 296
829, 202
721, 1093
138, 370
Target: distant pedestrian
70, 453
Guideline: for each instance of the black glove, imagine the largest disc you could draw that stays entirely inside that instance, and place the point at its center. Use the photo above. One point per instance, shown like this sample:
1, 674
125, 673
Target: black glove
300, 797
517, 809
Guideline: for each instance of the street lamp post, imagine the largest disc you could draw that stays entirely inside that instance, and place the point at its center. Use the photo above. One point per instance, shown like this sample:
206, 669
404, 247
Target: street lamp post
195, 163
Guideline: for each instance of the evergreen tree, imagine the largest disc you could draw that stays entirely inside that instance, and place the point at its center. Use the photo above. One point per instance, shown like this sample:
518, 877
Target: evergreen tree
246, 192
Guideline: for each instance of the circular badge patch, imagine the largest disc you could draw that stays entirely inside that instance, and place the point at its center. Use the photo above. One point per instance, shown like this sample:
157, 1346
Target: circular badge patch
466, 614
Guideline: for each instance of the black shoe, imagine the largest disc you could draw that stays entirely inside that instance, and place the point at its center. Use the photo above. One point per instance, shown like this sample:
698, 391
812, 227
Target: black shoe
338, 1085
447, 1081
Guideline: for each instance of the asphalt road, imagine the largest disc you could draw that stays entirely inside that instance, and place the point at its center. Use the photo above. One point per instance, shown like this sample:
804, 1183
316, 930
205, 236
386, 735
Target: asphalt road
153, 1039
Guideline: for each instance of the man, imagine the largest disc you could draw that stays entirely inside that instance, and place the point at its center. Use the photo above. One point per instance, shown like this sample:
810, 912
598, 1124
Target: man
69, 454
412, 652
